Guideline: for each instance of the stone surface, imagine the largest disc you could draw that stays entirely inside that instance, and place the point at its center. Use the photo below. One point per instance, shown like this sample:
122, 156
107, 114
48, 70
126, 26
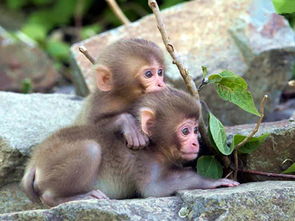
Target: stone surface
23, 60
244, 36
252, 201
25, 120
271, 200
271, 155
13, 199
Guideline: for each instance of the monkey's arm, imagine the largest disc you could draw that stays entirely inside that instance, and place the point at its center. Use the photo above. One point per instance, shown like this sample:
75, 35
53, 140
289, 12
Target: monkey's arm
126, 124
135, 138
182, 179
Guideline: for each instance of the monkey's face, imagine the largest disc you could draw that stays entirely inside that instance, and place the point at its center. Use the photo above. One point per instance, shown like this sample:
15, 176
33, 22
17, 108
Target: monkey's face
152, 77
187, 134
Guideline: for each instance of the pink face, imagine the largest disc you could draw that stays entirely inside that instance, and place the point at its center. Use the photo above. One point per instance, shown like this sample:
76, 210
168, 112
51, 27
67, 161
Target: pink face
187, 133
152, 77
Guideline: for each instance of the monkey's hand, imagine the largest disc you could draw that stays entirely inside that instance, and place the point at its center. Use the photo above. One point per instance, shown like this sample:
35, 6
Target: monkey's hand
135, 138
224, 182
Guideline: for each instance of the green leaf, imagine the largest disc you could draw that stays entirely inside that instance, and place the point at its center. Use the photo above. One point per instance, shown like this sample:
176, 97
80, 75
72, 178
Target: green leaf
208, 166
218, 134
16, 4
27, 86
41, 2
35, 31
90, 30
58, 49
250, 145
42, 18
233, 88
214, 78
204, 71
291, 169
284, 6
241, 98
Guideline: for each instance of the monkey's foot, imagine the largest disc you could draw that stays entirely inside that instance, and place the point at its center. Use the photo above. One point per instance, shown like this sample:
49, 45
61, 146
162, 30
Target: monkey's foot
95, 194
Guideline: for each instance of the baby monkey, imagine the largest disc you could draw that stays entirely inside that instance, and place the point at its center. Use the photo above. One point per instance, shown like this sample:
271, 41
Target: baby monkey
79, 163
124, 71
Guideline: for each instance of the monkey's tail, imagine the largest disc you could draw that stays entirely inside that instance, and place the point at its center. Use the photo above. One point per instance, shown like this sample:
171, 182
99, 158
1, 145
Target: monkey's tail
28, 186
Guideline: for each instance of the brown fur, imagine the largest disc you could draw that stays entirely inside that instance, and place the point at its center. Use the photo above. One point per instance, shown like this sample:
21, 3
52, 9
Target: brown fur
68, 162
123, 58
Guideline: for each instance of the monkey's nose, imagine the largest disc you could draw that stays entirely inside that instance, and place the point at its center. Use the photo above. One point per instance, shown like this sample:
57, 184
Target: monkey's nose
161, 84
194, 144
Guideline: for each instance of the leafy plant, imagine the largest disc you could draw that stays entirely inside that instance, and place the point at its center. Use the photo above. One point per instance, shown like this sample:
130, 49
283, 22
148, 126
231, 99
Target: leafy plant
210, 167
233, 88
291, 169
287, 9
284, 6
27, 86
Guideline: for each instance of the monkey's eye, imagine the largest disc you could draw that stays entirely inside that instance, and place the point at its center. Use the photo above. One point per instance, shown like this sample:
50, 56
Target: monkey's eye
185, 131
160, 72
148, 74
196, 130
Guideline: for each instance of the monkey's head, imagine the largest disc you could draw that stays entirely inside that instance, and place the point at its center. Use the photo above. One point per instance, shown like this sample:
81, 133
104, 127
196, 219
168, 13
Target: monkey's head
170, 118
131, 66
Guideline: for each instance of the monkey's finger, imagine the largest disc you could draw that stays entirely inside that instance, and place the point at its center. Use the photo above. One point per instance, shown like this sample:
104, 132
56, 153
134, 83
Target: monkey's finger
98, 194
135, 139
142, 140
146, 139
129, 140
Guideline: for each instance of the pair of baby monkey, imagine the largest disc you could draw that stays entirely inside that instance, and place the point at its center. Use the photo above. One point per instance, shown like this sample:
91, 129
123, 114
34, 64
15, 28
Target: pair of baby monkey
132, 105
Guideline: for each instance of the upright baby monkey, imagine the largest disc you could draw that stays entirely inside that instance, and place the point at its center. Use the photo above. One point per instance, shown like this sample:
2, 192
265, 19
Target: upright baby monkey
124, 71
79, 163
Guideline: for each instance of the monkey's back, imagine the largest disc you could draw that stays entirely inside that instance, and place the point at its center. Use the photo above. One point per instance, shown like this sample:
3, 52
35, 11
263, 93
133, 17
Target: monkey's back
117, 169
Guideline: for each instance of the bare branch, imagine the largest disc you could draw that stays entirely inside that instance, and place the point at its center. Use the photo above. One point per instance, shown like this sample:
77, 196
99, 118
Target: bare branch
268, 174
185, 75
84, 51
118, 12
170, 48
254, 131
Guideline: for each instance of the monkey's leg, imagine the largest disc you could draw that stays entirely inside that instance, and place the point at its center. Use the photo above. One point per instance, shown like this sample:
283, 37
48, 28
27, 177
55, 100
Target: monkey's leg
72, 173
93, 194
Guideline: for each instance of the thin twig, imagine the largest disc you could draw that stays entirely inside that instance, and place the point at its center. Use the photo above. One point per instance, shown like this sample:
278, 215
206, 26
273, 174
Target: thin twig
78, 17
228, 175
191, 86
268, 174
170, 48
254, 131
262, 104
84, 51
118, 12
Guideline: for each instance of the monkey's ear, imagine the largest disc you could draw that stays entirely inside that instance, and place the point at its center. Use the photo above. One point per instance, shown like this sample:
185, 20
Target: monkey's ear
104, 80
147, 119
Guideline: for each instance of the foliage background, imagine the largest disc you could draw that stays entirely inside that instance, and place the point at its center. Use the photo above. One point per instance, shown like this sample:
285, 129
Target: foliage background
56, 24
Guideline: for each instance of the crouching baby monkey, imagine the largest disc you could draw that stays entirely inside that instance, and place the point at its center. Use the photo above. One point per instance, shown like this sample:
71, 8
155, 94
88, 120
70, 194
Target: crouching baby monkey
124, 71
78, 163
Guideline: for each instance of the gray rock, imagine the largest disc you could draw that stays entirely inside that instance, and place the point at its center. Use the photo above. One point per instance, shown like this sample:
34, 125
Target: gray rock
272, 154
268, 200
20, 60
271, 200
244, 36
13, 199
25, 121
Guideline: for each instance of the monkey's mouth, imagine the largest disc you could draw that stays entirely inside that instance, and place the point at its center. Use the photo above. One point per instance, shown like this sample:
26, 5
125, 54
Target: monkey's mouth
189, 155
